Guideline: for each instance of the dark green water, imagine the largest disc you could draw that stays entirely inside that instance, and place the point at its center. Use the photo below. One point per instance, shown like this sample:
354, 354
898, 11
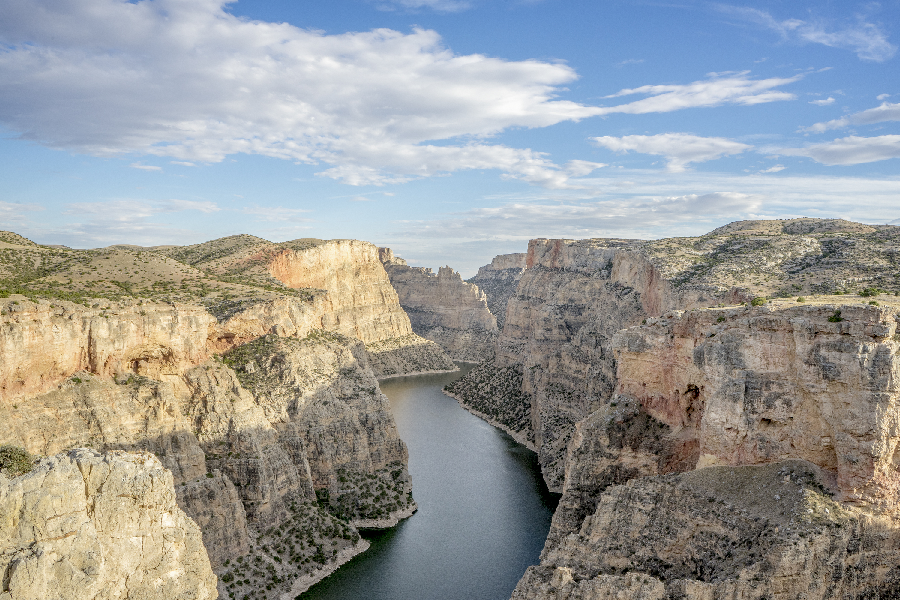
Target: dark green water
484, 511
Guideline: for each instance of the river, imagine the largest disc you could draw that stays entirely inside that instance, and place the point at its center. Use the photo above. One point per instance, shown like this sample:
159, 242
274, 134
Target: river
484, 510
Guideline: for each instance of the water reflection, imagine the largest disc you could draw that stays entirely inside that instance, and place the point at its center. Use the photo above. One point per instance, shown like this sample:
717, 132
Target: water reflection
483, 509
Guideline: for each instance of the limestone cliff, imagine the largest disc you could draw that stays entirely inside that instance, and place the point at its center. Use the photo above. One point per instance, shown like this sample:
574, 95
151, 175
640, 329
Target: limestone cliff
92, 526
444, 308
260, 398
815, 380
575, 295
499, 281
770, 531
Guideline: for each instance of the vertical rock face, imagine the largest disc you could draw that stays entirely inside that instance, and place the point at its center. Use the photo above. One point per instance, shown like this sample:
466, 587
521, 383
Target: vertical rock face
42, 344
284, 431
360, 301
768, 531
86, 525
570, 301
759, 385
444, 308
499, 281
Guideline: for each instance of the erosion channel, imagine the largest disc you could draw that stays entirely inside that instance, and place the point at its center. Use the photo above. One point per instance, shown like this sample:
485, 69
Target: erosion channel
484, 510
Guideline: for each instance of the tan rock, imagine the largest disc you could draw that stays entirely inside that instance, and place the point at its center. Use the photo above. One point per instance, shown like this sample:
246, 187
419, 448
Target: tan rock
444, 308
86, 525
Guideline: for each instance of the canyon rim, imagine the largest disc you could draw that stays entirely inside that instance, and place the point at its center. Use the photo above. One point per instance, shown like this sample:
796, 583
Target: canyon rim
720, 413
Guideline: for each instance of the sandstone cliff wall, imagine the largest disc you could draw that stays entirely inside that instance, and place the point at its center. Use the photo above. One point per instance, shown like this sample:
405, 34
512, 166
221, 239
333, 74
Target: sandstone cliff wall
499, 281
780, 381
573, 297
92, 526
360, 301
444, 308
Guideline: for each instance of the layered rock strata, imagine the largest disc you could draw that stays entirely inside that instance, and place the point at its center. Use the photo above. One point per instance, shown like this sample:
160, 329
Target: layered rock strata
267, 411
770, 531
736, 387
89, 525
499, 281
444, 308
575, 295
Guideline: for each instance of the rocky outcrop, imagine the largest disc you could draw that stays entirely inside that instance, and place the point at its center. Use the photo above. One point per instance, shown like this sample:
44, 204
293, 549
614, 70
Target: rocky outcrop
736, 386
499, 281
444, 308
770, 531
757, 385
267, 413
89, 525
575, 295
43, 343
360, 301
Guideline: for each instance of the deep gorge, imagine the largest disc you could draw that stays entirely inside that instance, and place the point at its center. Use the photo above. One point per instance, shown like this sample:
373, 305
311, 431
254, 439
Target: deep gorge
719, 413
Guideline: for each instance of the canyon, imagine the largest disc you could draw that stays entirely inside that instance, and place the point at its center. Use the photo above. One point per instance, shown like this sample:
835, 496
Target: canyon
719, 413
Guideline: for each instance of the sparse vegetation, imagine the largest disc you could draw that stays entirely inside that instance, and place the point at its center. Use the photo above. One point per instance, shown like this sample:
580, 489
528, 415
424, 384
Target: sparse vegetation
836, 317
15, 461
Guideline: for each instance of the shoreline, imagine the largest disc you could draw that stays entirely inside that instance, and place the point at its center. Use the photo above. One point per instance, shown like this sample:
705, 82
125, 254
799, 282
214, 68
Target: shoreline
414, 373
304, 582
391, 521
515, 435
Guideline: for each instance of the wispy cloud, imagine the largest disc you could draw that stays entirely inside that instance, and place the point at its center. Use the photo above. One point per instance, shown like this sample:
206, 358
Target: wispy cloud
823, 102
278, 214
679, 149
14, 212
774, 169
719, 89
629, 61
867, 40
138, 165
879, 114
851, 150
438, 5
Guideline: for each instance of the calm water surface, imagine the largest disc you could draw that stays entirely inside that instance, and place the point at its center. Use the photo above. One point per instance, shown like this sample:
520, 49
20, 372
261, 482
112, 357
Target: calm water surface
483, 508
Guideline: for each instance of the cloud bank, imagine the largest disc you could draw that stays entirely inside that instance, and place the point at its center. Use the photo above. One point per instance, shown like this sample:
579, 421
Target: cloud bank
879, 114
189, 81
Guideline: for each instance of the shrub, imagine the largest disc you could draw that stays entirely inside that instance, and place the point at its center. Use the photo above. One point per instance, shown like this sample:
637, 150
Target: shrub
15, 461
758, 301
870, 292
801, 299
720, 320
874, 303
836, 317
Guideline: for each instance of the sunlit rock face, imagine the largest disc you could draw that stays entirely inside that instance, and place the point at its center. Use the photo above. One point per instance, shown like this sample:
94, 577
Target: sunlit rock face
91, 525
266, 414
444, 308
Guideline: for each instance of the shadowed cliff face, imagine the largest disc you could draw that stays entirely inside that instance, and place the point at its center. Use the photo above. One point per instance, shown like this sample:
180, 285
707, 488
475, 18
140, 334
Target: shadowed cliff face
444, 308
281, 445
499, 281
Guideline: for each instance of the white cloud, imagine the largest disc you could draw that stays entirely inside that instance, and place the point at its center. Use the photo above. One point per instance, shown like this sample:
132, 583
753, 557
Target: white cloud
851, 150
823, 102
183, 163
680, 149
125, 221
138, 165
360, 199
882, 96
865, 39
879, 114
189, 81
438, 5
629, 61
774, 169
715, 91
14, 212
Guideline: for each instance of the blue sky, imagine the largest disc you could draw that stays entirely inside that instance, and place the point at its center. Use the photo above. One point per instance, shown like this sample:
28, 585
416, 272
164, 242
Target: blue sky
449, 130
